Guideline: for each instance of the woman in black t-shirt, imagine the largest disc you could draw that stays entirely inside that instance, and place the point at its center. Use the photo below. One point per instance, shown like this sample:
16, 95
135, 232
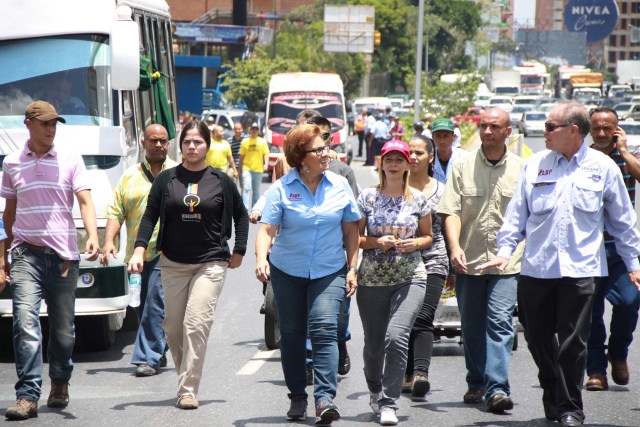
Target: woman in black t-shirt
196, 206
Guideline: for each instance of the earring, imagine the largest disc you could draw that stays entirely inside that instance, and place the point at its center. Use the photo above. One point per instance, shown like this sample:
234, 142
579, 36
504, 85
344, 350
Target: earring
305, 168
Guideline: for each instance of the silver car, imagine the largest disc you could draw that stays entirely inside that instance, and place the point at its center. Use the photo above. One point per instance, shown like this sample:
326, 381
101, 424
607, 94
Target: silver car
532, 123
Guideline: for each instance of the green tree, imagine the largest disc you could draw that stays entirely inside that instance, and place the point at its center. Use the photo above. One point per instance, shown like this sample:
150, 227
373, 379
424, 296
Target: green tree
248, 80
447, 99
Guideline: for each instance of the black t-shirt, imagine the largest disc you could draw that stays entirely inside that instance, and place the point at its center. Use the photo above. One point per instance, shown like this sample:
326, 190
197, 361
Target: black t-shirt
193, 218
444, 164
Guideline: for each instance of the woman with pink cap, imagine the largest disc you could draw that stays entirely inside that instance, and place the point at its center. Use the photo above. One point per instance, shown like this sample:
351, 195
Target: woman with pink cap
395, 228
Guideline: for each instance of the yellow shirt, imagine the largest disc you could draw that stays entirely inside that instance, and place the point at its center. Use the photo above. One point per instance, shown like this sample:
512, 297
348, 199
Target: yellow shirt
478, 193
218, 154
128, 203
254, 150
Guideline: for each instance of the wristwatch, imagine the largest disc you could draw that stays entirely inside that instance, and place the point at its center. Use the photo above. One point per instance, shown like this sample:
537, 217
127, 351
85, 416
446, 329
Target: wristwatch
353, 270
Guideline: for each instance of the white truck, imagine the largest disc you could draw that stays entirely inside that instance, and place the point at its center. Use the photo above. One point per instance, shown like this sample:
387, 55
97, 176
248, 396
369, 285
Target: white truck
628, 72
504, 82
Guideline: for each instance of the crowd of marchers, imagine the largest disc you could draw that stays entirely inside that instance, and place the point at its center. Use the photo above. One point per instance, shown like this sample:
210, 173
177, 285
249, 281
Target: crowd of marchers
554, 234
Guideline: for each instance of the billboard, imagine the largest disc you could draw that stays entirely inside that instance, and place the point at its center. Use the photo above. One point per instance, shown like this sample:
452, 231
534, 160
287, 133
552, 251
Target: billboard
550, 47
597, 19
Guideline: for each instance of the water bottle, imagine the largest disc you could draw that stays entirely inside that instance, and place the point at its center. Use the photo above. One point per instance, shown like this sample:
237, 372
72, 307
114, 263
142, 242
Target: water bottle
135, 285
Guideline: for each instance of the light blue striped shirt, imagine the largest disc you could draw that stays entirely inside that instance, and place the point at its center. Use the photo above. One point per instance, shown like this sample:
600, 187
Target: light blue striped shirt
560, 207
310, 243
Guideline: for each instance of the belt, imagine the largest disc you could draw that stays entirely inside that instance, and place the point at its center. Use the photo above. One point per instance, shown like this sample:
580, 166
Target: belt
43, 249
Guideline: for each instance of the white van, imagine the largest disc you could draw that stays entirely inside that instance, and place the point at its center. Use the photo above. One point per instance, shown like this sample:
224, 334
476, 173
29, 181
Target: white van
291, 93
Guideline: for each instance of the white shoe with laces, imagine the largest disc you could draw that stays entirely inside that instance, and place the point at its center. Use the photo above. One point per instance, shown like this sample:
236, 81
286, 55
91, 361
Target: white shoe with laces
388, 417
373, 402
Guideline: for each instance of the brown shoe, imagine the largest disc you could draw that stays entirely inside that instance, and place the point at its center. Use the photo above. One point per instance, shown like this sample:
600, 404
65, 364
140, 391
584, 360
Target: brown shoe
473, 395
407, 383
186, 401
597, 382
22, 410
619, 371
59, 396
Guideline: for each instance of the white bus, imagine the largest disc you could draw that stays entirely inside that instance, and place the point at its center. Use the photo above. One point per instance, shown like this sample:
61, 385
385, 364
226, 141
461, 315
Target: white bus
85, 55
291, 93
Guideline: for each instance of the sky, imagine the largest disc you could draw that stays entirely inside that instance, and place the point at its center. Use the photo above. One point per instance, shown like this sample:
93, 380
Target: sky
524, 10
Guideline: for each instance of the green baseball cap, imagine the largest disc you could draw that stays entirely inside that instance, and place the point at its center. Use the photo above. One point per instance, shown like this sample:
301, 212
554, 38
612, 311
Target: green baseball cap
442, 124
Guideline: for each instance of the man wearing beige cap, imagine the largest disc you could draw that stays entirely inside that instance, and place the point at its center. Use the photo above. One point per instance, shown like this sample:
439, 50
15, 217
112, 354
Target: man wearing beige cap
38, 184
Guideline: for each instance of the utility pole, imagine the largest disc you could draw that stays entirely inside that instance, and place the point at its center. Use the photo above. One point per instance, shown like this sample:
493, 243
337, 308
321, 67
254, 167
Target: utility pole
416, 97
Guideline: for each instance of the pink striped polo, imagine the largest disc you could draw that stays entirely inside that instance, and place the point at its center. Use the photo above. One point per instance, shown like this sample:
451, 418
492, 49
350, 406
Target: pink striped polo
45, 188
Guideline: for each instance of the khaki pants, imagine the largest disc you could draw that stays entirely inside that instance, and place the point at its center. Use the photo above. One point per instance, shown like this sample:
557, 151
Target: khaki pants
191, 293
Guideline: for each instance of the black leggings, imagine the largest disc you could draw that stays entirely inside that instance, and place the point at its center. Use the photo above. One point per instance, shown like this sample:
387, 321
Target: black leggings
421, 339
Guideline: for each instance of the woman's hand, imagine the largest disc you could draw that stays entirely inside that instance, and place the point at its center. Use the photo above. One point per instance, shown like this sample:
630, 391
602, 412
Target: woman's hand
262, 270
386, 242
407, 245
136, 261
351, 284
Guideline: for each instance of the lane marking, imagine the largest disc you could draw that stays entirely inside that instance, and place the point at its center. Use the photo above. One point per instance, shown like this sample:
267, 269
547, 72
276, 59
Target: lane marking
256, 362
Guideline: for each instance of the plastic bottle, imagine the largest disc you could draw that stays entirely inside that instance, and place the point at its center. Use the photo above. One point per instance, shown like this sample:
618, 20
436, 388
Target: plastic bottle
135, 285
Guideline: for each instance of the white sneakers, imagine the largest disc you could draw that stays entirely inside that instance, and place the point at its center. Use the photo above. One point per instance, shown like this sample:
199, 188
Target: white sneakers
373, 402
388, 417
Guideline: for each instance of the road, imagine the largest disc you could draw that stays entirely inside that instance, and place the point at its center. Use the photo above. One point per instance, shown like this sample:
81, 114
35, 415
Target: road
243, 384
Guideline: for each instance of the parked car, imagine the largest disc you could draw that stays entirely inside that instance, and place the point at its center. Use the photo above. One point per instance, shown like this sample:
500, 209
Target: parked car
632, 129
227, 118
627, 110
516, 114
502, 101
473, 114
532, 123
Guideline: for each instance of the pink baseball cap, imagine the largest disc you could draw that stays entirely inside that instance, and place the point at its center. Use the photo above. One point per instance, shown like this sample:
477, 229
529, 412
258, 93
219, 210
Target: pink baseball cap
397, 145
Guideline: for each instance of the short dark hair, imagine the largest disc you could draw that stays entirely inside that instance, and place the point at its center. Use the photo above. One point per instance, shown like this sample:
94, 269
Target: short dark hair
295, 140
604, 110
319, 121
306, 114
203, 130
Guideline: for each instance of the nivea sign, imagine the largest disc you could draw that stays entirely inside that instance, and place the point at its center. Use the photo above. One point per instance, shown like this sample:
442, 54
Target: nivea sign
598, 18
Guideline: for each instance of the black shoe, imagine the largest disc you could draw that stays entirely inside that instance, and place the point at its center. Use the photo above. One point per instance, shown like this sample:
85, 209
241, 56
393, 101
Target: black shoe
309, 376
344, 361
262, 309
473, 395
298, 409
419, 388
570, 420
499, 403
163, 361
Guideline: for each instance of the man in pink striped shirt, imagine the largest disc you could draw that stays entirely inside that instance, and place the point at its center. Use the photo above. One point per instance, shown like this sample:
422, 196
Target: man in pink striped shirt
39, 183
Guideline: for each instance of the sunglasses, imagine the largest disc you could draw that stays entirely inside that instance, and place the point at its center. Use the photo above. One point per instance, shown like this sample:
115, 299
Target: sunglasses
550, 127
324, 150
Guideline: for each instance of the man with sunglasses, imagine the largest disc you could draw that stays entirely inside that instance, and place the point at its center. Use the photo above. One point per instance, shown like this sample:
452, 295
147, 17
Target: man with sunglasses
611, 139
562, 200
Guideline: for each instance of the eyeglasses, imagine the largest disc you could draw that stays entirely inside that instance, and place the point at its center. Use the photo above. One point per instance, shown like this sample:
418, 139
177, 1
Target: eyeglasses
325, 136
320, 151
550, 127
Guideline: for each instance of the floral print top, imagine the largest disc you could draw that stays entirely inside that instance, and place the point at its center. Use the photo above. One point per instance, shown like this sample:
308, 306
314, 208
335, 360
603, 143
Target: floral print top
398, 217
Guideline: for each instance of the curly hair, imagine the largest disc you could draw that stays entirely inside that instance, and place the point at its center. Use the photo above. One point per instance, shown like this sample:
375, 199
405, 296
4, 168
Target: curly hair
295, 140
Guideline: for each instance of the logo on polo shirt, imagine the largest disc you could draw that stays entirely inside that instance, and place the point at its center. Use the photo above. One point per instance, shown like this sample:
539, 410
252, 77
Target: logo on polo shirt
544, 172
295, 197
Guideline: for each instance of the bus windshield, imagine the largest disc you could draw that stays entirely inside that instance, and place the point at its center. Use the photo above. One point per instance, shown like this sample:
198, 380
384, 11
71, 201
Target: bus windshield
70, 72
285, 106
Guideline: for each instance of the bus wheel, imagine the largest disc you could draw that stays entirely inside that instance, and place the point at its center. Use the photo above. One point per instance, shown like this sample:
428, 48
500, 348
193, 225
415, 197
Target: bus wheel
95, 332
271, 323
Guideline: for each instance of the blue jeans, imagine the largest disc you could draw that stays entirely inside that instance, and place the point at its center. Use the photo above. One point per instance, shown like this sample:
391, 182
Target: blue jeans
251, 193
387, 314
36, 275
625, 298
343, 329
150, 344
486, 306
313, 305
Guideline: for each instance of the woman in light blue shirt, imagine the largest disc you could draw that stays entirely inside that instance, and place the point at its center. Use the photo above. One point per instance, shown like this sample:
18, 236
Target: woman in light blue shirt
317, 216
